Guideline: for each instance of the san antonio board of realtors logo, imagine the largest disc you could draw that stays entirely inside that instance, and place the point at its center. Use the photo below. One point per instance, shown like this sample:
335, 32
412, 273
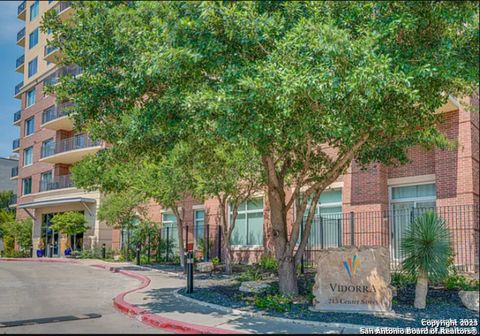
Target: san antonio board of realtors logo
351, 265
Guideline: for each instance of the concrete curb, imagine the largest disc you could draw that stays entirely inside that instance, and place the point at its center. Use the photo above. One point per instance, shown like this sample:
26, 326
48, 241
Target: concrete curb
234, 311
151, 319
43, 260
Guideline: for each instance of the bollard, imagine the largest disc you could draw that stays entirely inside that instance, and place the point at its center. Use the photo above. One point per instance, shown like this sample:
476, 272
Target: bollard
138, 255
189, 272
103, 251
31, 251
51, 251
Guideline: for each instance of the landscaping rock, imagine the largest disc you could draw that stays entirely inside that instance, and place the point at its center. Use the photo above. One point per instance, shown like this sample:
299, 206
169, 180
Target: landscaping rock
469, 299
205, 267
254, 287
352, 279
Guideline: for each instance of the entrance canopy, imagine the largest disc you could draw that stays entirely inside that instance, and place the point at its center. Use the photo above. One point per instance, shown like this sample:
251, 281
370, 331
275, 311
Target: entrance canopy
56, 201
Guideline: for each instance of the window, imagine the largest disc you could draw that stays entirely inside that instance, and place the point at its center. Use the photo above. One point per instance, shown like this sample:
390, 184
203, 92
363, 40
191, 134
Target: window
46, 181
33, 39
27, 156
48, 114
248, 229
32, 67
326, 229
29, 126
169, 225
31, 96
408, 202
199, 225
48, 148
26, 186
34, 10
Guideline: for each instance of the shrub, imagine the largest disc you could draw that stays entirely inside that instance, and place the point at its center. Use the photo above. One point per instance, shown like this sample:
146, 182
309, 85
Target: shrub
275, 302
426, 246
460, 282
400, 279
215, 261
268, 263
251, 274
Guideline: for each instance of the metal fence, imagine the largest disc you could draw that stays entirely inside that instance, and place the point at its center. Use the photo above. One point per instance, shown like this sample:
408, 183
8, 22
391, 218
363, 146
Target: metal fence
387, 228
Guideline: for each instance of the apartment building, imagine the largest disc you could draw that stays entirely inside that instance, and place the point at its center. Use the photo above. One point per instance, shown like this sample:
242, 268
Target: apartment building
48, 144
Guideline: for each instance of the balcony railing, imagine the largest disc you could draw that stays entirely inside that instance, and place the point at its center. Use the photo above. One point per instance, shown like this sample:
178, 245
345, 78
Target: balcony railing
58, 182
17, 116
13, 200
61, 6
21, 7
21, 34
55, 112
14, 172
16, 144
77, 142
49, 49
71, 70
18, 87
19, 62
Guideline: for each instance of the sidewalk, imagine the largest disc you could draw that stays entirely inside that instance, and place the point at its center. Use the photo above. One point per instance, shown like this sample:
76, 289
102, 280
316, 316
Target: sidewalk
159, 298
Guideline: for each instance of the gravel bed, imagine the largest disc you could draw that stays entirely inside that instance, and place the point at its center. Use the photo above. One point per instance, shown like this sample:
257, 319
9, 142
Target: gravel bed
441, 304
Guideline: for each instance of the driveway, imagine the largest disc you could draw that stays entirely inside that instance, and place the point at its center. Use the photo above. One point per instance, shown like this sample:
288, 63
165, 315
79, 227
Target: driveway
31, 291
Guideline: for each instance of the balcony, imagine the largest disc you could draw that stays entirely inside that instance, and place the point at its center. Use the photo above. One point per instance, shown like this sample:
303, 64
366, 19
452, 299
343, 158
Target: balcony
22, 11
56, 117
13, 201
21, 37
63, 9
14, 173
71, 70
52, 54
19, 64
16, 117
18, 88
16, 145
58, 182
69, 151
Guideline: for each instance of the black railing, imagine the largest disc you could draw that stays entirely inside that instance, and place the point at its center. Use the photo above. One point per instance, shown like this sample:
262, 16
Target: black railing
58, 182
13, 200
77, 142
49, 49
387, 228
55, 112
16, 144
21, 34
71, 70
21, 7
17, 116
14, 172
18, 87
61, 6
20, 61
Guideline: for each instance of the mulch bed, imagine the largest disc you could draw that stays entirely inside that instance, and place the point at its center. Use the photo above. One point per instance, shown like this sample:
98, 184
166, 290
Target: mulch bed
441, 304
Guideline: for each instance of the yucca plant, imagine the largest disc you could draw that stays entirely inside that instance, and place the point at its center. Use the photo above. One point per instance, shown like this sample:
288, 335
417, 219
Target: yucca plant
426, 247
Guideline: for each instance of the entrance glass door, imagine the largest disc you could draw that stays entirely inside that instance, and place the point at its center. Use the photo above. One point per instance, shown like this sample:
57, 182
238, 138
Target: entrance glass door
50, 236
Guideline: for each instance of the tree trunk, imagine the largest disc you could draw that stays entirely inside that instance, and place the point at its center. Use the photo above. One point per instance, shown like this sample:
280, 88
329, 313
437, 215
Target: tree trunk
287, 277
421, 291
181, 250
227, 254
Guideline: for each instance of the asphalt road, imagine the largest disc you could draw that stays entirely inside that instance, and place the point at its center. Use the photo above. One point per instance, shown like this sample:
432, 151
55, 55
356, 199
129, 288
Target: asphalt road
31, 290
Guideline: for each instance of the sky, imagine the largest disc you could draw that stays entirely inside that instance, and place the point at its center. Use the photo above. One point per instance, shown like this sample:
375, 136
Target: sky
9, 52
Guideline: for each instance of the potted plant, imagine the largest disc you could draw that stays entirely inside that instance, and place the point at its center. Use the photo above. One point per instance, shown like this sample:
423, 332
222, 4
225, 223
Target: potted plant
68, 249
41, 248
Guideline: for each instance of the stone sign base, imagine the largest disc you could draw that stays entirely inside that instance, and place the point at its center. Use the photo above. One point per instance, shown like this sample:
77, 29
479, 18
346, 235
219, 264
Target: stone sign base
353, 279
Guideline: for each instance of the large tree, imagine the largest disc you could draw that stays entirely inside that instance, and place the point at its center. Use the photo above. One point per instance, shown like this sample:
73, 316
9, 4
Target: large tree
309, 85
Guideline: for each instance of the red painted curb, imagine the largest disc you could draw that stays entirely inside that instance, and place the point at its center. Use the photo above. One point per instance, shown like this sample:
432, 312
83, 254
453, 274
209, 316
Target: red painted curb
154, 320
46, 260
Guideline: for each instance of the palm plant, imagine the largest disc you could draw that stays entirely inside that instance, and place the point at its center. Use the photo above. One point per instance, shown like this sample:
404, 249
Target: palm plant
426, 246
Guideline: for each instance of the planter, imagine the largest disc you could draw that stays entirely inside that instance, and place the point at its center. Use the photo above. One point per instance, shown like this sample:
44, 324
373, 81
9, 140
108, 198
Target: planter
40, 253
67, 251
